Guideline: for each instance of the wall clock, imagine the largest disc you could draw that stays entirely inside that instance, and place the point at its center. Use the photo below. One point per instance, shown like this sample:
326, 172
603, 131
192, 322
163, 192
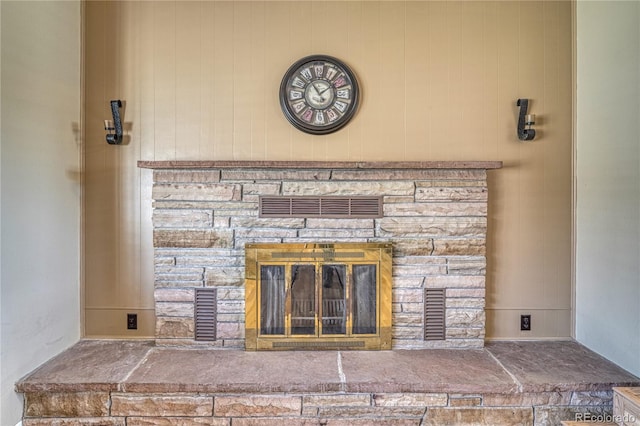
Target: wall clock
319, 94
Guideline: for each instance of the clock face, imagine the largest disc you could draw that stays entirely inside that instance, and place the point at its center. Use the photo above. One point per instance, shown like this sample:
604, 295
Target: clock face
319, 94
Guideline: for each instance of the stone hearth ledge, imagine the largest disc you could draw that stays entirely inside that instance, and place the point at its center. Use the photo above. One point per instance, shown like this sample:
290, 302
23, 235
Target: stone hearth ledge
134, 383
499, 368
193, 164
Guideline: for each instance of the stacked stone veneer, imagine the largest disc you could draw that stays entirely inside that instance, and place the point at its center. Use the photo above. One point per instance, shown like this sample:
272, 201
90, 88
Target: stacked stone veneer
116, 408
435, 218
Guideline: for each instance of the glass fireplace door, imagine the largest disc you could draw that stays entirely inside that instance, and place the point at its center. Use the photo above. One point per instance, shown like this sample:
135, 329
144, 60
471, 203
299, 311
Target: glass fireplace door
364, 299
272, 299
320, 300
289, 296
303, 300
334, 299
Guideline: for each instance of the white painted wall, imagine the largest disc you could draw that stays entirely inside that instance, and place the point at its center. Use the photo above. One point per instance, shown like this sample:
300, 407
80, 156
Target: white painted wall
40, 188
608, 180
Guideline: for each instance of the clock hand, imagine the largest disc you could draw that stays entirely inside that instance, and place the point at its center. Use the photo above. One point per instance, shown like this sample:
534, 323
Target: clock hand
319, 92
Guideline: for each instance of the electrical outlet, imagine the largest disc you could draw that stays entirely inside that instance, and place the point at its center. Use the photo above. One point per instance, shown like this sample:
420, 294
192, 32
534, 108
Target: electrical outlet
132, 321
525, 322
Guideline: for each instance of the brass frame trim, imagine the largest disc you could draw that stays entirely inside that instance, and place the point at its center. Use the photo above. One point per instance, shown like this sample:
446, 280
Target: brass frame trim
318, 254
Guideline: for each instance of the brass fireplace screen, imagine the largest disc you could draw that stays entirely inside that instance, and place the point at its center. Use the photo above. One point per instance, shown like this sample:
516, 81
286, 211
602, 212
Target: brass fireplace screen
318, 296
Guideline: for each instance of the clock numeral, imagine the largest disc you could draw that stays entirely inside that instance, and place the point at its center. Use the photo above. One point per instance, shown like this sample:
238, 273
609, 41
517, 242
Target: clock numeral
333, 116
341, 106
344, 94
298, 106
294, 94
297, 82
340, 81
331, 72
319, 117
307, 115
306, 73
319, 69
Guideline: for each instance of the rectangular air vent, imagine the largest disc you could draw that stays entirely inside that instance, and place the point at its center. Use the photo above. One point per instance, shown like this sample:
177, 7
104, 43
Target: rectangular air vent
205, 313
434, 314
319, 345
321, 207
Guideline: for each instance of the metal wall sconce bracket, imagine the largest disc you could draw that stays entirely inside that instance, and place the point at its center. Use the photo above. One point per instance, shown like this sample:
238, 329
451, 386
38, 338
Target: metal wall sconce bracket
524, 119
114, 129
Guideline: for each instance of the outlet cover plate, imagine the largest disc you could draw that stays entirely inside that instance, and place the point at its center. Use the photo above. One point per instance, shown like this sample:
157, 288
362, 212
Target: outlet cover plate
525, 322
132, 321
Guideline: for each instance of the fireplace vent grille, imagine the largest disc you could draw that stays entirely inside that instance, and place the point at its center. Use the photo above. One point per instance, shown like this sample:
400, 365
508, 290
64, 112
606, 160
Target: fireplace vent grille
434, 314
205, 312
324, 345
321, 207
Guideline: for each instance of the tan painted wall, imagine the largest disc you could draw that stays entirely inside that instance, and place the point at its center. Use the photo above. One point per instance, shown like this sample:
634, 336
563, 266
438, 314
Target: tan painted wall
439, 81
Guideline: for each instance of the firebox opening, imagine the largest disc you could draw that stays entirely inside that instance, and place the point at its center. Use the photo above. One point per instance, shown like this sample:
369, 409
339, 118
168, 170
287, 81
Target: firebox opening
318, 296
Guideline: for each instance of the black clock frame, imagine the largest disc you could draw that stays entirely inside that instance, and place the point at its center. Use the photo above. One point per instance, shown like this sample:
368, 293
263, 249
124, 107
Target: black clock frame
340, 122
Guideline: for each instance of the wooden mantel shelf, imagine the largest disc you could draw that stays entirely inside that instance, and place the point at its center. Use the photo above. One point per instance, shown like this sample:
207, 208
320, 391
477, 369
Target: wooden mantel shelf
186, 164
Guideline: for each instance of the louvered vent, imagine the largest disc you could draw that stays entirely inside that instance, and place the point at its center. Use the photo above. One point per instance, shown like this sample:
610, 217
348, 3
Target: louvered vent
205, 313
434, 314
321, 207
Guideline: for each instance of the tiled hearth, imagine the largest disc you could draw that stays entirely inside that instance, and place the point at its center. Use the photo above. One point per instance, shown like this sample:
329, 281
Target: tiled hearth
433, 213
135, 383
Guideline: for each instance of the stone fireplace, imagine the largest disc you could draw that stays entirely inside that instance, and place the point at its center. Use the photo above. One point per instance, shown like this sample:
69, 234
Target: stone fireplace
433, 216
